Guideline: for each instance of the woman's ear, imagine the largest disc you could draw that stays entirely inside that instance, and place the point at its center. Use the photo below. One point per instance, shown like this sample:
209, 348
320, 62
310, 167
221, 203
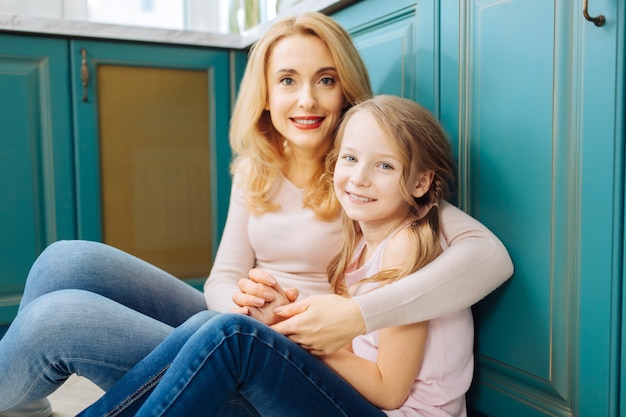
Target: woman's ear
424, 181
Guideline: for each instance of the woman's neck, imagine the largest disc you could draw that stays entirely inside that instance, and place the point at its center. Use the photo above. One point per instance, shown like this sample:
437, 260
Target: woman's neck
300, 167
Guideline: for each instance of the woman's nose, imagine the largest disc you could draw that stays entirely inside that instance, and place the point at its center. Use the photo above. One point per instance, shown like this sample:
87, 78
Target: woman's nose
308, 97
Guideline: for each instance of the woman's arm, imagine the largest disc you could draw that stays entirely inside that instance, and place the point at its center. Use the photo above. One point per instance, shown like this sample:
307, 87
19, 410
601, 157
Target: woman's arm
235, 256
474, 264
387, 382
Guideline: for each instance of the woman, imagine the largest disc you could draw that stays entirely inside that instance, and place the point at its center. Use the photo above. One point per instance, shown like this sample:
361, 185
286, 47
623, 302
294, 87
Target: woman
96, 311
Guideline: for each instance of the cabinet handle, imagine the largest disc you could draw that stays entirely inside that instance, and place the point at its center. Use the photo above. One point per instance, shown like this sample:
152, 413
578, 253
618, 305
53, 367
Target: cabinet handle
598, 20
84, 73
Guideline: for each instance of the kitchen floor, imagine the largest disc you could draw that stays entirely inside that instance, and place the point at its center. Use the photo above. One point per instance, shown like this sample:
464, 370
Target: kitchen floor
73, 397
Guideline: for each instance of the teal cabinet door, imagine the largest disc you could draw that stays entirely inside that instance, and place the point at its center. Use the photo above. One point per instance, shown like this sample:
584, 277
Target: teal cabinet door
152, 152
397, 41
36, 166
540, 105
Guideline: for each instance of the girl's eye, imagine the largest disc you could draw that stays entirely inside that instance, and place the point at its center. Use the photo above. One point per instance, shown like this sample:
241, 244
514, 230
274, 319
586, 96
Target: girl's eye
348, 158
385, 166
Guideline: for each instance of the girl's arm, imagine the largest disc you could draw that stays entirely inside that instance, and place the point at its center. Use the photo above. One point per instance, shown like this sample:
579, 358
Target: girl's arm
387, 382
235, 256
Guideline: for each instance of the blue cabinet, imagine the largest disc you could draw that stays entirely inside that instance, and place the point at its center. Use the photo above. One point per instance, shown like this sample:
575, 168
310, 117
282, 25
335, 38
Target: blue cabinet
36, 165
53, 152
532, 96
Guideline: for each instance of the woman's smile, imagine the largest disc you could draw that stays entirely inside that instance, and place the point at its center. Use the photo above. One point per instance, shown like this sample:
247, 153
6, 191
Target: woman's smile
307, 122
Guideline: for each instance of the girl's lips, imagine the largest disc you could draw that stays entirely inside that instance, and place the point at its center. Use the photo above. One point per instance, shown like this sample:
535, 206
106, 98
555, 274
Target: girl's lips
306, 123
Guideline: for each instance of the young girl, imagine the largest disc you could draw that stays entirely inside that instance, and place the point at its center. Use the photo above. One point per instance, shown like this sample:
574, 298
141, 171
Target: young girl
393, 167
392, 171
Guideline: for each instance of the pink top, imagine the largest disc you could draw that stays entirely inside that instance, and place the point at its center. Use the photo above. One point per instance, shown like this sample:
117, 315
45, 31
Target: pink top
448, 362
296, 247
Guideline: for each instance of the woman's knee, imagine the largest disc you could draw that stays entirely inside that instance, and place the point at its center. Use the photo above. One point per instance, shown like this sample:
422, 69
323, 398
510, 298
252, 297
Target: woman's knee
69, 264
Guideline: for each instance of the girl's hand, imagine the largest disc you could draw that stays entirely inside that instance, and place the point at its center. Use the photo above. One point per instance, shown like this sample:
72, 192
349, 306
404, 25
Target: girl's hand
260, 294
321, 324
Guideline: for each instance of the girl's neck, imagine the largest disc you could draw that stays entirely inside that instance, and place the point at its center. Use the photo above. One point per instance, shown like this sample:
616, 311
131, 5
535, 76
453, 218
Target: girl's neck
374, 235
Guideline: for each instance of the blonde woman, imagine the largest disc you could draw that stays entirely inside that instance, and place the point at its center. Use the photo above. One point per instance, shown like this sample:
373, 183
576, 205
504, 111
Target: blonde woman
93, 310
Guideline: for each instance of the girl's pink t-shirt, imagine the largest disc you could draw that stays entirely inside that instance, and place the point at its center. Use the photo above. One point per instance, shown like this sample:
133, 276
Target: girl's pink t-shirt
448, 363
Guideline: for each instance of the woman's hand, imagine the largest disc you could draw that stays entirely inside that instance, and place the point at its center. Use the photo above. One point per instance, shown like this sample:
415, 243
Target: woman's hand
321, 324
260, 294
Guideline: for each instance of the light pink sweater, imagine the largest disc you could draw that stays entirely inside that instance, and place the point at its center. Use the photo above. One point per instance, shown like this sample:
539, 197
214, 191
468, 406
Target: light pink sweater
295, 247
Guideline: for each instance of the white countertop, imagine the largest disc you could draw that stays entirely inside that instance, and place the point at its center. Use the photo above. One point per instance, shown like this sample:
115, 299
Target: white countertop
74, 28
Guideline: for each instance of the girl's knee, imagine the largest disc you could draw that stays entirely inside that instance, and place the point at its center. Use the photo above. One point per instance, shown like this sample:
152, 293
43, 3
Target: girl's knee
198, 320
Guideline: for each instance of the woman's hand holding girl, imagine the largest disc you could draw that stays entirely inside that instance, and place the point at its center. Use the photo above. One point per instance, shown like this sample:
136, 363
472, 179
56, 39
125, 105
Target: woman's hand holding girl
260, 295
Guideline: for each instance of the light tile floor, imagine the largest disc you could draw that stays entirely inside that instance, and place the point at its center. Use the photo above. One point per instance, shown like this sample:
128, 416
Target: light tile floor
74, 396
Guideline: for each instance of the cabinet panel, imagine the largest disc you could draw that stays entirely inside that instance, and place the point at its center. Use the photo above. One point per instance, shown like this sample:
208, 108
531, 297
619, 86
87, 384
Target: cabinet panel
154, 154
37, 205
153, 151
396, 41
545, 340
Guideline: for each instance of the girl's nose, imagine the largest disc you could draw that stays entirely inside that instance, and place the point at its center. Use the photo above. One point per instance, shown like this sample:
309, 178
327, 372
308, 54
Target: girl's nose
308, 98
359, 177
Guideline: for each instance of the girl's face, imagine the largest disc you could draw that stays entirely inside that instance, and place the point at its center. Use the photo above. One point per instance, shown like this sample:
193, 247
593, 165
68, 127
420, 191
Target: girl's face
368, 176
305, 98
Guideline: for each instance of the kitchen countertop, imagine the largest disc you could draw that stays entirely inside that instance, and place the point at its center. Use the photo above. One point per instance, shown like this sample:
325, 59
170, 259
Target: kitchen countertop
75, 28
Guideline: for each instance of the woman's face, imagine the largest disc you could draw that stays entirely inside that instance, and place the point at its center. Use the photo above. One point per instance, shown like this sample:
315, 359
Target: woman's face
305, 98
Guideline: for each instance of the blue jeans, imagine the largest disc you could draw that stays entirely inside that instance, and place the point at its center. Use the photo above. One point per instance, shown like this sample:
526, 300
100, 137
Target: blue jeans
92, 310
214, 362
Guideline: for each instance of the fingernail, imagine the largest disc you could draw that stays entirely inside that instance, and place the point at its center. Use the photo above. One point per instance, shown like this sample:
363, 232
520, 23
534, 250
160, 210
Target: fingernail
278, 310
268, 296
259, 302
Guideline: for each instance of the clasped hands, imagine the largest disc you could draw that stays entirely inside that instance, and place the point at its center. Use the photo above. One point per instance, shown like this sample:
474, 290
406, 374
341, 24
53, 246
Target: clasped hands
320, 323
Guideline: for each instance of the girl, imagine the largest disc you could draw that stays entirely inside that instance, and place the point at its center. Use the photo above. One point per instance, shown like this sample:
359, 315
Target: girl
93, 310
392, 170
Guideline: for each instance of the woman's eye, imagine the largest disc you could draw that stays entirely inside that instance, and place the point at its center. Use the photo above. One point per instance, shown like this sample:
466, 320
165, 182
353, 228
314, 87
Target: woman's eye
287, 81
327, 81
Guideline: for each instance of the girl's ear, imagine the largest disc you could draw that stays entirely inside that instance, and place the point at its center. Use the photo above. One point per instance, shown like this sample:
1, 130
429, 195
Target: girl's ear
424, 180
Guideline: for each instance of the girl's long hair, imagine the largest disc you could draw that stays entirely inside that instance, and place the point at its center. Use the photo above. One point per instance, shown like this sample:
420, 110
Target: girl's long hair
259, 148
422, 146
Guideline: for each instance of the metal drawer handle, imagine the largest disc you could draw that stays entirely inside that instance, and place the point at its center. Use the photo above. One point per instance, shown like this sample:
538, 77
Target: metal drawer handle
84, 73
598, 20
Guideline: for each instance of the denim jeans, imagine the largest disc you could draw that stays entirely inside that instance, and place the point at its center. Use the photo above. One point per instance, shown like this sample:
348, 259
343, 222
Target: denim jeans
214, 362
92, 310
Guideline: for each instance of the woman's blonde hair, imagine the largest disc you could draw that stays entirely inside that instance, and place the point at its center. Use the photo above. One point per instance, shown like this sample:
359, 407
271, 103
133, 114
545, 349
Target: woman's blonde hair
422, 146
259, 148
